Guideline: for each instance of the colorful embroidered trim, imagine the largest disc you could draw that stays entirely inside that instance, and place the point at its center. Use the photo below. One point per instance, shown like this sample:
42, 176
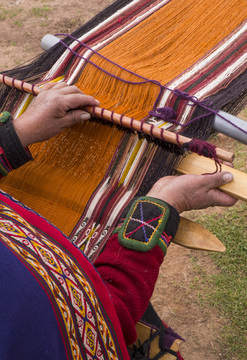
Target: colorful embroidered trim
4, 117
84, 326
5, 167
144, 225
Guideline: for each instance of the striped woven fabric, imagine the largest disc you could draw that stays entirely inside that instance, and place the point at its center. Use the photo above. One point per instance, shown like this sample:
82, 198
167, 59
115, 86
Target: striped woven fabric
154, 47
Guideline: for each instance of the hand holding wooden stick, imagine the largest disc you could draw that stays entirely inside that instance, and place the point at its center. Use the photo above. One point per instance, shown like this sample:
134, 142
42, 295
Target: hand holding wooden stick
121, 120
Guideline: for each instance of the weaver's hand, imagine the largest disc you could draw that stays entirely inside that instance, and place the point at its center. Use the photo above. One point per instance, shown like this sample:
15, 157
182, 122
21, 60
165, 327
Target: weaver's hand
188, 192
57, 107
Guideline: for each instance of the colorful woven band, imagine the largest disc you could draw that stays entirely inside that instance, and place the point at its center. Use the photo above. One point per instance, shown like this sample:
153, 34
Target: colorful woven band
4, 117
144, 225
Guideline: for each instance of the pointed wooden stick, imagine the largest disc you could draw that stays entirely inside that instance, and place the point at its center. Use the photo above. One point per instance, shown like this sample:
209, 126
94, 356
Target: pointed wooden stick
194, 236
121, 120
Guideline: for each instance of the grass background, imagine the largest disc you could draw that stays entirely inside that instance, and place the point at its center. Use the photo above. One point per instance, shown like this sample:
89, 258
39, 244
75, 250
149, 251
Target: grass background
226, 288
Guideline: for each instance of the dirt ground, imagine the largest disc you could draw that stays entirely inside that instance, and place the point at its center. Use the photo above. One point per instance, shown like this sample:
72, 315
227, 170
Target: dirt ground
23, 23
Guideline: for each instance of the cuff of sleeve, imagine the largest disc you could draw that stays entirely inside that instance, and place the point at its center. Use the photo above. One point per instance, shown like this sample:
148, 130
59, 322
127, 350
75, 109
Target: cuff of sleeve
14, 152
148, 223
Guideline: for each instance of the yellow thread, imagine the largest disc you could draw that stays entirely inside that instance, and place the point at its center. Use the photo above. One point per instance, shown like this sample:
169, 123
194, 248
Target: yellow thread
130, 162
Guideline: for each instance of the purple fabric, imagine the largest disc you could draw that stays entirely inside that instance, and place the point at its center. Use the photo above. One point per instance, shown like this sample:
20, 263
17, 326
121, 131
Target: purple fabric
169, 337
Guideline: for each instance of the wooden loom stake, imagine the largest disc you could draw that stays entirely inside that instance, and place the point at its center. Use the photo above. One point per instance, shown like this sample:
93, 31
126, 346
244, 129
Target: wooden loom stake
121, 120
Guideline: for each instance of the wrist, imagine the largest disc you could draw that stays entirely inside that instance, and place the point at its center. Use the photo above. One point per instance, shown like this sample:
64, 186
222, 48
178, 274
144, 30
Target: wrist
21, 132
170, 199
15, 155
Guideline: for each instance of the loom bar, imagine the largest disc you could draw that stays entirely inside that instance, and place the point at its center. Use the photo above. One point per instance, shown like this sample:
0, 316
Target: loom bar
48, 41
19, 84
194, 164
121, 120
230, 130
148, 129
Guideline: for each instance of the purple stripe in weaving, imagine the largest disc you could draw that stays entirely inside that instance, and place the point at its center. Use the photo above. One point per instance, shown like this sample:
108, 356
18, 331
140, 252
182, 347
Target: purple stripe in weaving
112, 116
4, 79
13, 82
22, 85
121, 120
33, 89
131, 123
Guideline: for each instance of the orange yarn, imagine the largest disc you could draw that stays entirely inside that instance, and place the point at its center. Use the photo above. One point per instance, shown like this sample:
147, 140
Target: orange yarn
68, 169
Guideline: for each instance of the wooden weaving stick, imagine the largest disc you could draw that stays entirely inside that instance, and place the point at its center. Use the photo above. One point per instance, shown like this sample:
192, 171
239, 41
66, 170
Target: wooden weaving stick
193, 164
194, 236
190, 233
121, 120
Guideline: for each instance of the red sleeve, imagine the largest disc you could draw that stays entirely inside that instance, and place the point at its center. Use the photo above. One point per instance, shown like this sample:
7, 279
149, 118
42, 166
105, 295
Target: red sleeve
130, 273
130, 277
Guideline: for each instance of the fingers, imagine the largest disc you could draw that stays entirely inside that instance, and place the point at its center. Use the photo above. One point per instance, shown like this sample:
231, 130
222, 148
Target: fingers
60, 85
57, 106
188, 192
67, 97
78, 101
220, 198
209, 184
65, 89
54, 86
228, 164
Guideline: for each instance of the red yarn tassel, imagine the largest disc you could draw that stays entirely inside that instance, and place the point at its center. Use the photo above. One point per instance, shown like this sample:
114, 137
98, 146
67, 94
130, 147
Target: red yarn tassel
204, 148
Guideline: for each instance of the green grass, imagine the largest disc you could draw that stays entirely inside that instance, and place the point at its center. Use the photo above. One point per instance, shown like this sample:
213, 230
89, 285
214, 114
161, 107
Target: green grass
240, 160
9, 13
41, 11
245, 111
18, 23
226, 289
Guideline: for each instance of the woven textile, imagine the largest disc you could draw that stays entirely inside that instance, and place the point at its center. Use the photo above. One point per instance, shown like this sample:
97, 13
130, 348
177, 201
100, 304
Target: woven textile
199, 48
53, 284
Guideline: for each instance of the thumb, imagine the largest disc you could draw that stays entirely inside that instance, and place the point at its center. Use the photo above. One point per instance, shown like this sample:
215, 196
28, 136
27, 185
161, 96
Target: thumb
226, 177
75, 116
218, 179
221, 198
